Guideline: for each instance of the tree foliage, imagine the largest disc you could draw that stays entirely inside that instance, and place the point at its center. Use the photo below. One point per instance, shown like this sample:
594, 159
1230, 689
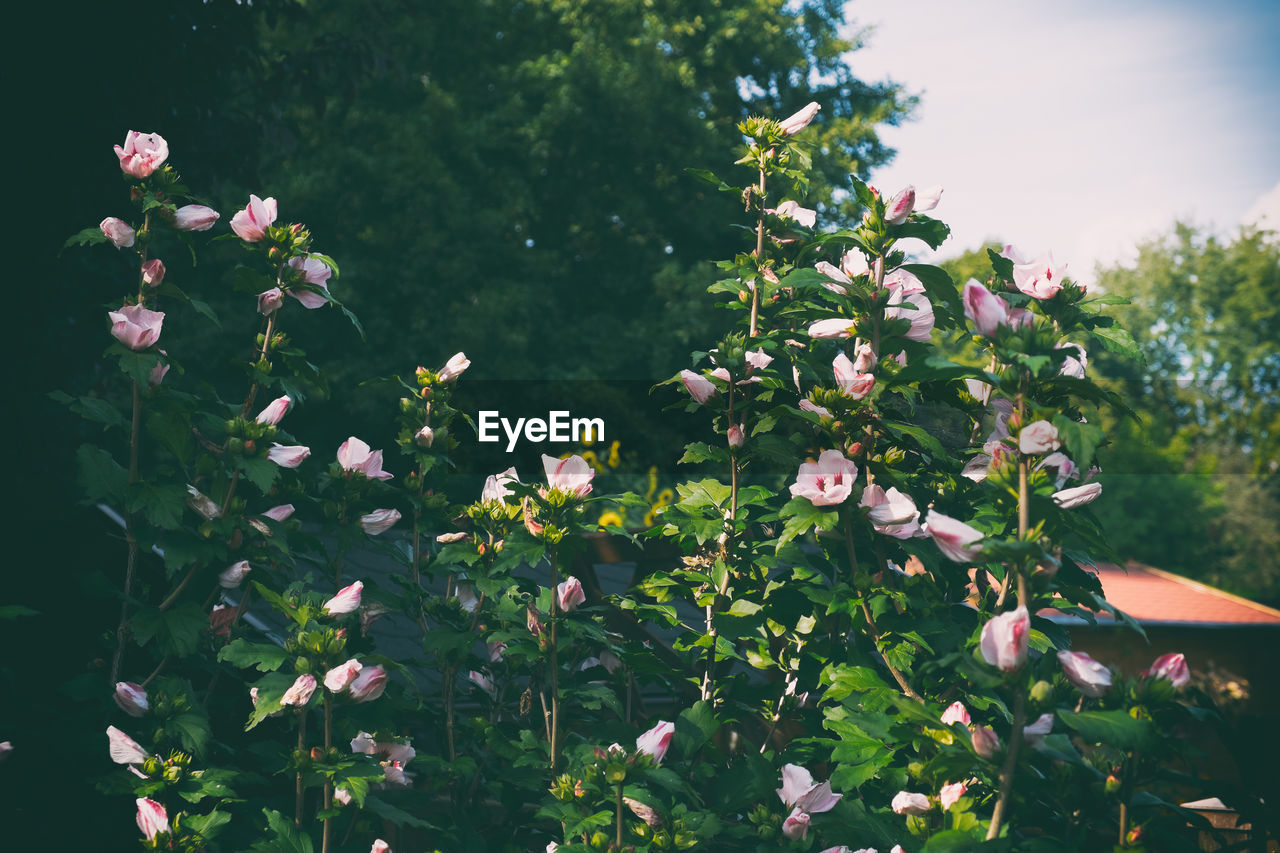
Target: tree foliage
1197, 478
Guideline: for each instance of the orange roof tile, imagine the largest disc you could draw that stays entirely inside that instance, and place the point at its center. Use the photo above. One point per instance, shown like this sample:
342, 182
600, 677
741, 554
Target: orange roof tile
1153, 596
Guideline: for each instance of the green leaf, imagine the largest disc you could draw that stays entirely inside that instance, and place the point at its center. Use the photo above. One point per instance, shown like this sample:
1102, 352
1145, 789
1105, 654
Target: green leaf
932, 231
1119, 341
921, 436
192, 731
950, 841
176, 631
395, 814
742, 607
800, 515
259, 471
101, 477
85, 237
1113, 728
270, 689
162, 505
262, 656
1079, 440
694, 727
14, 611
938, 286
136, 365
286, 837
207, 826
92, 409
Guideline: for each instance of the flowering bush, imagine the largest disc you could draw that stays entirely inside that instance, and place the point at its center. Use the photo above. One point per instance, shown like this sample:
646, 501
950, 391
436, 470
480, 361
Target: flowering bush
871, 556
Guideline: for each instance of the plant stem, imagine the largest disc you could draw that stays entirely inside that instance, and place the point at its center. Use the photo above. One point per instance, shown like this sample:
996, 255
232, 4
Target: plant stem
450, 683
328, 781
755, 291
872, 630
132, 559
1009, 766
555, 661
618, 811
302, 745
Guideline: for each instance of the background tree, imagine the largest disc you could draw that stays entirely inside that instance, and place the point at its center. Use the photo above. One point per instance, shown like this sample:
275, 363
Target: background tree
1207, 453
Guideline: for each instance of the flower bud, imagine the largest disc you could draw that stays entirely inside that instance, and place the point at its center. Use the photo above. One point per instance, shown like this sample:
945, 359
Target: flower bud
153, 272
424, 437
194, 217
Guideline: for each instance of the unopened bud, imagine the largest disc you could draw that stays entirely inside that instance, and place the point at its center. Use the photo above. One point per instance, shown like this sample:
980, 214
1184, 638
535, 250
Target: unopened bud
317, 754
135, 193
1041, 692
744, 297
424, 437
250, 446
1112, 784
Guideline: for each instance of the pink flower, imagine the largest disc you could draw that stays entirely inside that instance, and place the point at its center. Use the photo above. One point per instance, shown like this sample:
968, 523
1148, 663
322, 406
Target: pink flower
985, 742
927, 198
355, 456
1090, 677
195, 217
758, 360
117, 231
1074, 365
131, 698
839, 278
908, 303
836, 327
158, 373
1040, 278
279, 513
978, 389
484, 682
700, 388
152, 818
369, 684
1077, 496
956, 713
950, 794
984, 309
1004, 639
864, 359
269, 301
136, 327
655, 742
853, 384
251, 224
827, 482
735, 436
905, 802
796, 826
153, 272
300, 693
569, 595
891, 513
1171, 667
288, 455
822, 412
495, 486
1038, 437
455, 367
1034, 734
340, 677
342, 796
792, 210
124, 749
798, 121
799, 790
900, 206
314, 271
379, 521
380, 846
233, 576
570, 476
275, 410
955, 539
142, 153
346, 601
364, 744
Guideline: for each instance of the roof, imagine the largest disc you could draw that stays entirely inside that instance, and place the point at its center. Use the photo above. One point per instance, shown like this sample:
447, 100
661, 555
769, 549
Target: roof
1155, 597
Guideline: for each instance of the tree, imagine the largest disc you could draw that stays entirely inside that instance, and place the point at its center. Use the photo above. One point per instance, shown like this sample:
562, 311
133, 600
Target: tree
1202, 467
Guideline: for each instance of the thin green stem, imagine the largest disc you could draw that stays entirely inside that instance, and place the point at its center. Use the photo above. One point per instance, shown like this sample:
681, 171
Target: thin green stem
999, 814
302, 745
755, 291
618, 811
555, 660
328, 782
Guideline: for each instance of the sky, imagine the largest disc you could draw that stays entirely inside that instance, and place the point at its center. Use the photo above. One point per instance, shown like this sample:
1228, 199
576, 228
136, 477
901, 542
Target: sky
1077, 126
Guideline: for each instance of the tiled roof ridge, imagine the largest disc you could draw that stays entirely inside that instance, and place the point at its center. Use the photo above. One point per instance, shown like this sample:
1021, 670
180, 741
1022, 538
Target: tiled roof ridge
1202, 587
